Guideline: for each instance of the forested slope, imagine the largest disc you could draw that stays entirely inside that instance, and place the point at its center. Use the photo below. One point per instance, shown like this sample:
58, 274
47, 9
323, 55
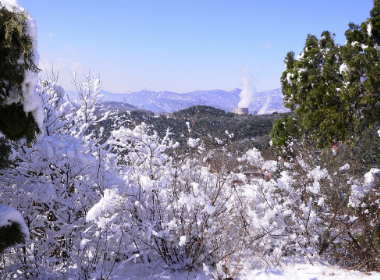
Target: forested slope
213, 126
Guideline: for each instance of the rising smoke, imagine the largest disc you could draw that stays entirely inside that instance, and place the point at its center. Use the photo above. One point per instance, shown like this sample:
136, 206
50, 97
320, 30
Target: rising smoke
265, 106
248, 90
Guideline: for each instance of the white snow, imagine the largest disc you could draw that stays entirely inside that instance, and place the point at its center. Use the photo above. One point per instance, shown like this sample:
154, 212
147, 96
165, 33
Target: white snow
8, 215
300, 56
210, 209
343, 67
9, 4
369, 177
106, 204
220, 142
83, 243
315, 271
182, 241
363, 79
358, 191
230, 135
354, 43
270, 165
369, 29
146, 183
301, 70
344, 167
193, 142
283, 271
288, 76
254, 157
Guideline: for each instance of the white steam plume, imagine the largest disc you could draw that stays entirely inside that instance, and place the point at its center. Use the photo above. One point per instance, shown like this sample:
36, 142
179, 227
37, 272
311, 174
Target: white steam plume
264, 108
247, 91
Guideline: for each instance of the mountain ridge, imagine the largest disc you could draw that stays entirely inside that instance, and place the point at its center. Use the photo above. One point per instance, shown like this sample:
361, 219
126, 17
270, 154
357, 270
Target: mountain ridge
168, 101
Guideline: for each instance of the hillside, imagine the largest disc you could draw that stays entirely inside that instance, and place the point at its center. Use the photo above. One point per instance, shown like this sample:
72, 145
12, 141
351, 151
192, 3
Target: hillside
121, 107
166, 101
212, 125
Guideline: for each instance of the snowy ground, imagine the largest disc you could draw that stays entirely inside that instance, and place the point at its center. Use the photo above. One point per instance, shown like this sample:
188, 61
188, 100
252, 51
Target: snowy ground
285, 271
310, 272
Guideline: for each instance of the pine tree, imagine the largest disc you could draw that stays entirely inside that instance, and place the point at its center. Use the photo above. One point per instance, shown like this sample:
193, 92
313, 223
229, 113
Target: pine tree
16, 59
334, 90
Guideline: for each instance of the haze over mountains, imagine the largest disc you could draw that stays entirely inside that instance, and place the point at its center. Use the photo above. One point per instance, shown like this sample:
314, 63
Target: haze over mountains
166, 101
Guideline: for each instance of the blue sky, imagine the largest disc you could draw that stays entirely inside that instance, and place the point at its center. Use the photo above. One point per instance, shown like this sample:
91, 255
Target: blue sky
182, 45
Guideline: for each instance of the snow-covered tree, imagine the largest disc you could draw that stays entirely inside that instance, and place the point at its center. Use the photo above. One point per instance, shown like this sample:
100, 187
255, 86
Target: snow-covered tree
20, 110
13, 229
21, 114
331, 88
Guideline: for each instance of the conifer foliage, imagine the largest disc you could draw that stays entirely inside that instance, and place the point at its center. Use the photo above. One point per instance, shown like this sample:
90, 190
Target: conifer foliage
17, 102
17, 56
333, 89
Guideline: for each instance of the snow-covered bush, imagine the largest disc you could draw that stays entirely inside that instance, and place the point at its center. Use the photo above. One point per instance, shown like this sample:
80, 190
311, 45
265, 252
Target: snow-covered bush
53, 183
345, 203
13, 229
175, 211
92, 205
182, 212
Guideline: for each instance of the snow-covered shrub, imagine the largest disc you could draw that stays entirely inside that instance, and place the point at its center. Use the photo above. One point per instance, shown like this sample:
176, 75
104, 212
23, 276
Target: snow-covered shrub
361, 246
182, 212
53, 183
13, 229
285, 218
93, 204
175, 211
344, 204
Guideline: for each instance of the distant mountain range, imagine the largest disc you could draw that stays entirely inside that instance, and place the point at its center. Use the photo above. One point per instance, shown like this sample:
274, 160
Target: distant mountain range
166, 101
121, 106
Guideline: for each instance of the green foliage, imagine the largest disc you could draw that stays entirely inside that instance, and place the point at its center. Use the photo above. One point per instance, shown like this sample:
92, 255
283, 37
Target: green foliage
5, 149
11, 235
283, 131
15, 124
16, 56
16, 52
208, 123
199, 111
310, 85
333, 89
